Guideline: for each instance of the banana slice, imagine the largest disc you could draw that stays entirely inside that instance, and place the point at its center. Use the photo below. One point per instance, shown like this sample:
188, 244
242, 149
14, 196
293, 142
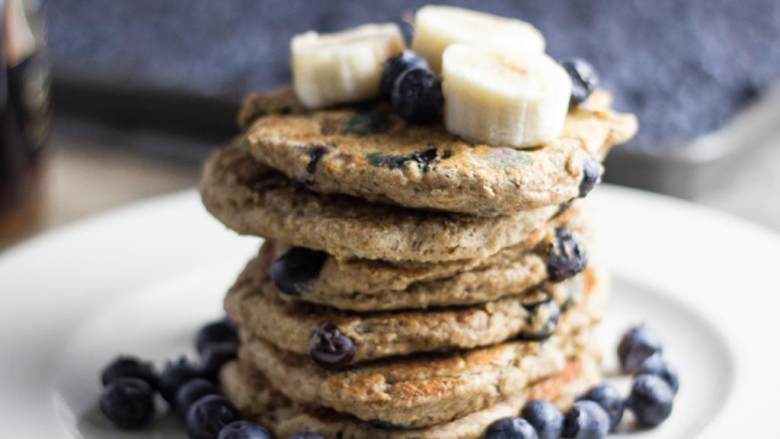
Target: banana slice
436, 27
499, 98
342, 67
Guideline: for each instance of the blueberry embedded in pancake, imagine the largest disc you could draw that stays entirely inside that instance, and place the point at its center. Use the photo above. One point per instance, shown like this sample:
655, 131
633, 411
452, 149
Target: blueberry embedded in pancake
257, 399
421, 390
329, 348
333, 338
292, 272
373, 154
374, 285
542, 319
565, 256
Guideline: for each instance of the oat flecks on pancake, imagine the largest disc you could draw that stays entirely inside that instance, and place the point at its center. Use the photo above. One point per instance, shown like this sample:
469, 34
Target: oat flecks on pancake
421, 390
261, 311
372, 154
466, 287
259, 401
252, 199
362, 284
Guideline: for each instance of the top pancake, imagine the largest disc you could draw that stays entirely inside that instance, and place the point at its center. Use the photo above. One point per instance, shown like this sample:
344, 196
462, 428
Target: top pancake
371, 153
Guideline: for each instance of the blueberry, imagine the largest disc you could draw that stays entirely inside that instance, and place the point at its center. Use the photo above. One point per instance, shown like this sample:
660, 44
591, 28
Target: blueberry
328, 347
563, 207
315, 155
546, 419
609, 399
417, 96
396, 65
128, 403
583, 79
511, 428
306, 435
216, 356
425, 159
542, 319
637, 344
591, 176
656, 365
192, 391
586, 420
220, 331
174, 375
244, 430
565, 257
651, 400
208, 415
129, 367
293, 271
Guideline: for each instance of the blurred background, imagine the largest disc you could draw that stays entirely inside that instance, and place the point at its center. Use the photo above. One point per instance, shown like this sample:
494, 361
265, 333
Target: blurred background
109, 101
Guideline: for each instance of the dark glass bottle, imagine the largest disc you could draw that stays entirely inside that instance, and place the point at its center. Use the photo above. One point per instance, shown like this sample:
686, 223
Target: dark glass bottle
25, 118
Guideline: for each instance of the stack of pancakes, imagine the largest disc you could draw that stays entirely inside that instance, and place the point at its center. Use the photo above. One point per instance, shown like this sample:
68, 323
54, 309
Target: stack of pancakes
410, 285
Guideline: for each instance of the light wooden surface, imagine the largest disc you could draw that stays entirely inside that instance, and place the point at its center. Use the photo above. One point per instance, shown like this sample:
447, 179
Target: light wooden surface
84, 181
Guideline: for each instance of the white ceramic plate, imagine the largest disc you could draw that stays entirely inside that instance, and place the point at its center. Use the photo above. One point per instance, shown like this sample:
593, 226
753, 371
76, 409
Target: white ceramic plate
142, 279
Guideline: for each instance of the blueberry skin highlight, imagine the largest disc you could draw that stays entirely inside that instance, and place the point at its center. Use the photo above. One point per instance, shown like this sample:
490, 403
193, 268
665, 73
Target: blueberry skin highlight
127, 366
244, 430
546, 419
215, 356
583, 79
329, 348
417, 96
591, 176
586, 420
636, 345
651, 400
542, 320
656, 365
292, 272
128, 403
192, 391
609, 399
511, 428
220, 331
208, 415
393, 67
565, 256
174, 375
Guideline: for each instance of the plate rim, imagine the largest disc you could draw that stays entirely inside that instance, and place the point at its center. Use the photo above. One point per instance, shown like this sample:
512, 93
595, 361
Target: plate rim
723, 425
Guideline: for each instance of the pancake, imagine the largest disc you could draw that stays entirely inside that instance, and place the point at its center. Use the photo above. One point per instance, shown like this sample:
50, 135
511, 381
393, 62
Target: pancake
373, 285
535, 315
253, 199
258, 401
424, 389
369, 152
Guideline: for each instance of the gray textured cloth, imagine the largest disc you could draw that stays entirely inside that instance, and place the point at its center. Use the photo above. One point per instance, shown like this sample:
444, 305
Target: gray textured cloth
684, 66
